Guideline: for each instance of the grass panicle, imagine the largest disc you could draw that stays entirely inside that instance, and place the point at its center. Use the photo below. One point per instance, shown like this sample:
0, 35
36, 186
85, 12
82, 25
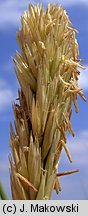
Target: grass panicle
47, 70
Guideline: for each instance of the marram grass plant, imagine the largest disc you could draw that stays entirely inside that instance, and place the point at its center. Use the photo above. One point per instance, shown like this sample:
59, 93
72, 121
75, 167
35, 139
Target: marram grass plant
47, 71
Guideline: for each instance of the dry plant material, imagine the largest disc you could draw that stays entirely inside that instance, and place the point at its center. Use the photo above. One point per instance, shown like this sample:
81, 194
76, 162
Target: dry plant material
47, 71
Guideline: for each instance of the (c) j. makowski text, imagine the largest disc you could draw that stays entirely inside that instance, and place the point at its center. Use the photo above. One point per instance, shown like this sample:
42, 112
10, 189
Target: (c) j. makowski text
52, 208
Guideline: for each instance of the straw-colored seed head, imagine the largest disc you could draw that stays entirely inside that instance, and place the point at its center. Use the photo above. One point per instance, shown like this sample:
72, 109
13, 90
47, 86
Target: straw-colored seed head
47, 71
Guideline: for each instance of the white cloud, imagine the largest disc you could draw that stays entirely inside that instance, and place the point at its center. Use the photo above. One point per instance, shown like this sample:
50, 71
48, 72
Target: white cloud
78, 147
6, 96
83, 79
10, 11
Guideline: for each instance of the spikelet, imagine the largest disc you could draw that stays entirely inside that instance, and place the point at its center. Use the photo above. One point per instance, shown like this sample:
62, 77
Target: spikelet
47, 71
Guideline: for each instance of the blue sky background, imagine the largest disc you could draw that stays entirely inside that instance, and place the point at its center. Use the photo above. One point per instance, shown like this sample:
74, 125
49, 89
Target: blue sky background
76, 185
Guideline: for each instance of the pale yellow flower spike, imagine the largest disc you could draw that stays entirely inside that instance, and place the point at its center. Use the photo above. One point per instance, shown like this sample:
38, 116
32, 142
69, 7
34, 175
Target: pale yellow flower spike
47, 72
